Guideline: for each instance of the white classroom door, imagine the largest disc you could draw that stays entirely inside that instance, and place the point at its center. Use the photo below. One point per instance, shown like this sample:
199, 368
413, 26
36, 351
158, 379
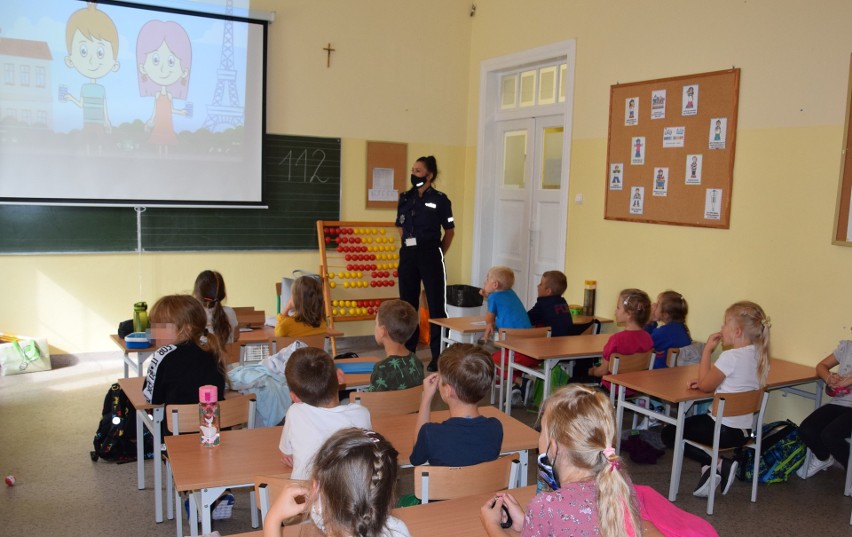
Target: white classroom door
529, 200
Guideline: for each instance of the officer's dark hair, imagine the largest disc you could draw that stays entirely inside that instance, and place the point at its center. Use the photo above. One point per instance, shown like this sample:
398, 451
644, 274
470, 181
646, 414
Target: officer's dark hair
431, 165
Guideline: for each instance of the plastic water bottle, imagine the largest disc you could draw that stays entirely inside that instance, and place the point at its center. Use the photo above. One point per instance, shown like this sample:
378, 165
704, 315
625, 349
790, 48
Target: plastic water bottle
140, 317
208, 415
589, 297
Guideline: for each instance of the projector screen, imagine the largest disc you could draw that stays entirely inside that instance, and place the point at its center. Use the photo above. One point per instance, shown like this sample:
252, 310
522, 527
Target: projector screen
120, 104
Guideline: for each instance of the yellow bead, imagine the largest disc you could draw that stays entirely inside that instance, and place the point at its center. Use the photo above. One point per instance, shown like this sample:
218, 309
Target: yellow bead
332, 284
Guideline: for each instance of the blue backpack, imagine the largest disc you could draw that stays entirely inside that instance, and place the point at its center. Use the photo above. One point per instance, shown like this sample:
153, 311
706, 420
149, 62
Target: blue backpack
782, 453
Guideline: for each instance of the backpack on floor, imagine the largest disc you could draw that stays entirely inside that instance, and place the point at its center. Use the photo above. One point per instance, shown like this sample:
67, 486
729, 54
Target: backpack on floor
782, 453
115, 439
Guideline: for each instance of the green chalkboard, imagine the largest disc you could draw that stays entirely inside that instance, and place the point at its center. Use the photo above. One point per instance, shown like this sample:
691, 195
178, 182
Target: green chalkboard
301, 185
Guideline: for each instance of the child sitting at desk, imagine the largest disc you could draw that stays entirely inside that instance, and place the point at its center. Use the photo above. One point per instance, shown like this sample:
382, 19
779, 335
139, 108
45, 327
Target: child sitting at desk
632, 309
505, 310
464, 377
670, 309
306, 303
315, 414
741, 368
186, 360
550, 307
351, 490
221, 320
590, 491
395, 322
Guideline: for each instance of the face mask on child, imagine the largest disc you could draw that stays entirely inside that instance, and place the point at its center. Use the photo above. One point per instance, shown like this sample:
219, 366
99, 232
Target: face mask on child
546, 470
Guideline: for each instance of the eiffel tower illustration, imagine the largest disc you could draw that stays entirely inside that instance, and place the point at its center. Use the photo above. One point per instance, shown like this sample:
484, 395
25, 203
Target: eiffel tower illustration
219, 114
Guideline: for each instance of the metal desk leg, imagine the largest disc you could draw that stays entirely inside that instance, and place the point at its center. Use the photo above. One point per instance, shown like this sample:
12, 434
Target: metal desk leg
619, 417
141, 417
159, 415
548, 367
525, 462
510, 368
677, 457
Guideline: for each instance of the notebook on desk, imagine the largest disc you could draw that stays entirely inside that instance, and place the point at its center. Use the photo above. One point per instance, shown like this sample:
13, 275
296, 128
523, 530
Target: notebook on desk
356, 367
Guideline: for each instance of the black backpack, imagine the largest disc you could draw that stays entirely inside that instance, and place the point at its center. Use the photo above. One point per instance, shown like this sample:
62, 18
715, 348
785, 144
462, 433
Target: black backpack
115, 439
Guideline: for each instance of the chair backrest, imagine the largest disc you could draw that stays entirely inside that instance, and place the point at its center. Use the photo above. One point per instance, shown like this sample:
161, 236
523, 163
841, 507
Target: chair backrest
737, 404
625, 363
512, 333
268, 487
448, 482
232, 352
671, 356
389, 403
236, 410
249, 317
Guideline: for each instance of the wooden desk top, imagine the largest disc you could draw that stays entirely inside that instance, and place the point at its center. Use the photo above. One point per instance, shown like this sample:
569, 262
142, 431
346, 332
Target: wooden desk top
465, 325
672, 384
399, 431
241, 455
121, 343
447, 518
543, 348
476, 323
351, 380
132, 387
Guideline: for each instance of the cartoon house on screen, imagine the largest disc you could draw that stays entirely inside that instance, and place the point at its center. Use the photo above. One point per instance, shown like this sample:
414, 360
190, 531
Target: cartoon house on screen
25, 95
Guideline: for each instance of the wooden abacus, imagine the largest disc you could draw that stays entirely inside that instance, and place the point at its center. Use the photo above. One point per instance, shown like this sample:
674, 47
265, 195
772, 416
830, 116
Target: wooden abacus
358, 264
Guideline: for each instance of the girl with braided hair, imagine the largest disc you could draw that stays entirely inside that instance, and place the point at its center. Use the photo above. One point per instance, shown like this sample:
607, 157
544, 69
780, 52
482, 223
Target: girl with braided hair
351, 492
632, 309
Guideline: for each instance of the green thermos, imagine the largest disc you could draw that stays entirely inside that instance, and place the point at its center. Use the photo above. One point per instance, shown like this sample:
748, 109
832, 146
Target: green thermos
140, 317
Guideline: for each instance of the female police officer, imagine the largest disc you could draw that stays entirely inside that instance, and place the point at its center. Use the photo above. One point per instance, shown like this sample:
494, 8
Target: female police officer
420, 215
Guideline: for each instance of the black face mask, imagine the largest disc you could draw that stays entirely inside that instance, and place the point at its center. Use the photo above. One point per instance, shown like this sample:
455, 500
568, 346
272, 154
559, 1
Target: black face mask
417, 181
546, 470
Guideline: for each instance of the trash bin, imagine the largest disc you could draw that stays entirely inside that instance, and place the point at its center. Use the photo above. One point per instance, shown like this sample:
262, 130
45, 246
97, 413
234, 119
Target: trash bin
463, 300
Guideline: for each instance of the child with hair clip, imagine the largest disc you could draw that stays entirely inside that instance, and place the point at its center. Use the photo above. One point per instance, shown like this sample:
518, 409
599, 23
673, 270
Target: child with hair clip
591, 491
741, 368
307, 305
188, 357
351, 491
632, 309
221, 320
670, 309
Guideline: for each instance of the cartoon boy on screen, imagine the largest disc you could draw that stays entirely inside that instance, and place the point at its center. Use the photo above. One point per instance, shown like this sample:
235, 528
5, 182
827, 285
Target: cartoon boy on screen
92, 42
164, 59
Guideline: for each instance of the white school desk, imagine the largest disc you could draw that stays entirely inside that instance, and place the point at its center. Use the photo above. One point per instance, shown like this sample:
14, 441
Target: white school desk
550, 351
672, 386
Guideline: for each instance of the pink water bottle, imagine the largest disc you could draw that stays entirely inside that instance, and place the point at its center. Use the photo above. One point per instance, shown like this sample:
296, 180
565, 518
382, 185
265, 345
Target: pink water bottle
208, 415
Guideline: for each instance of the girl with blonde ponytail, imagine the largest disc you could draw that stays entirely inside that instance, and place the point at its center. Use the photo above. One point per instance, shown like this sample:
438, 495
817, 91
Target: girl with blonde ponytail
741, 368
592, 493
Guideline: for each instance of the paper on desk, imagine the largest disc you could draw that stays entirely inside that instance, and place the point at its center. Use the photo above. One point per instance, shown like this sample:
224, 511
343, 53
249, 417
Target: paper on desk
478, 323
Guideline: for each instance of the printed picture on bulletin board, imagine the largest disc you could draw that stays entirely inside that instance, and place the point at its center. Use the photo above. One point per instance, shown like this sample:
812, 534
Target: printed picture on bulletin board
670, 154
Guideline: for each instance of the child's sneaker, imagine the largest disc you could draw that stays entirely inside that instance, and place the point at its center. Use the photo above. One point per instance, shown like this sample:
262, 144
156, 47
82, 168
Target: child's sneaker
702, 490
517, 395
729, 472
814, 467
223, 506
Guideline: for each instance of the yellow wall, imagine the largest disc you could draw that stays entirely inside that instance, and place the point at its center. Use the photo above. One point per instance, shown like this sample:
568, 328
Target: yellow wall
795, 63
407, 70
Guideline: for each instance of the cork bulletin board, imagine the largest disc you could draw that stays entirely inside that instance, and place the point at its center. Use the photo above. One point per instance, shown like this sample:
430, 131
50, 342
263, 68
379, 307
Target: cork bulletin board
387, 176
670, 156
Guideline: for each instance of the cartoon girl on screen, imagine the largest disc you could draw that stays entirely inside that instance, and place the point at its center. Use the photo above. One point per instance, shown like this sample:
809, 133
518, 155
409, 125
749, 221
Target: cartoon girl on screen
164, 57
